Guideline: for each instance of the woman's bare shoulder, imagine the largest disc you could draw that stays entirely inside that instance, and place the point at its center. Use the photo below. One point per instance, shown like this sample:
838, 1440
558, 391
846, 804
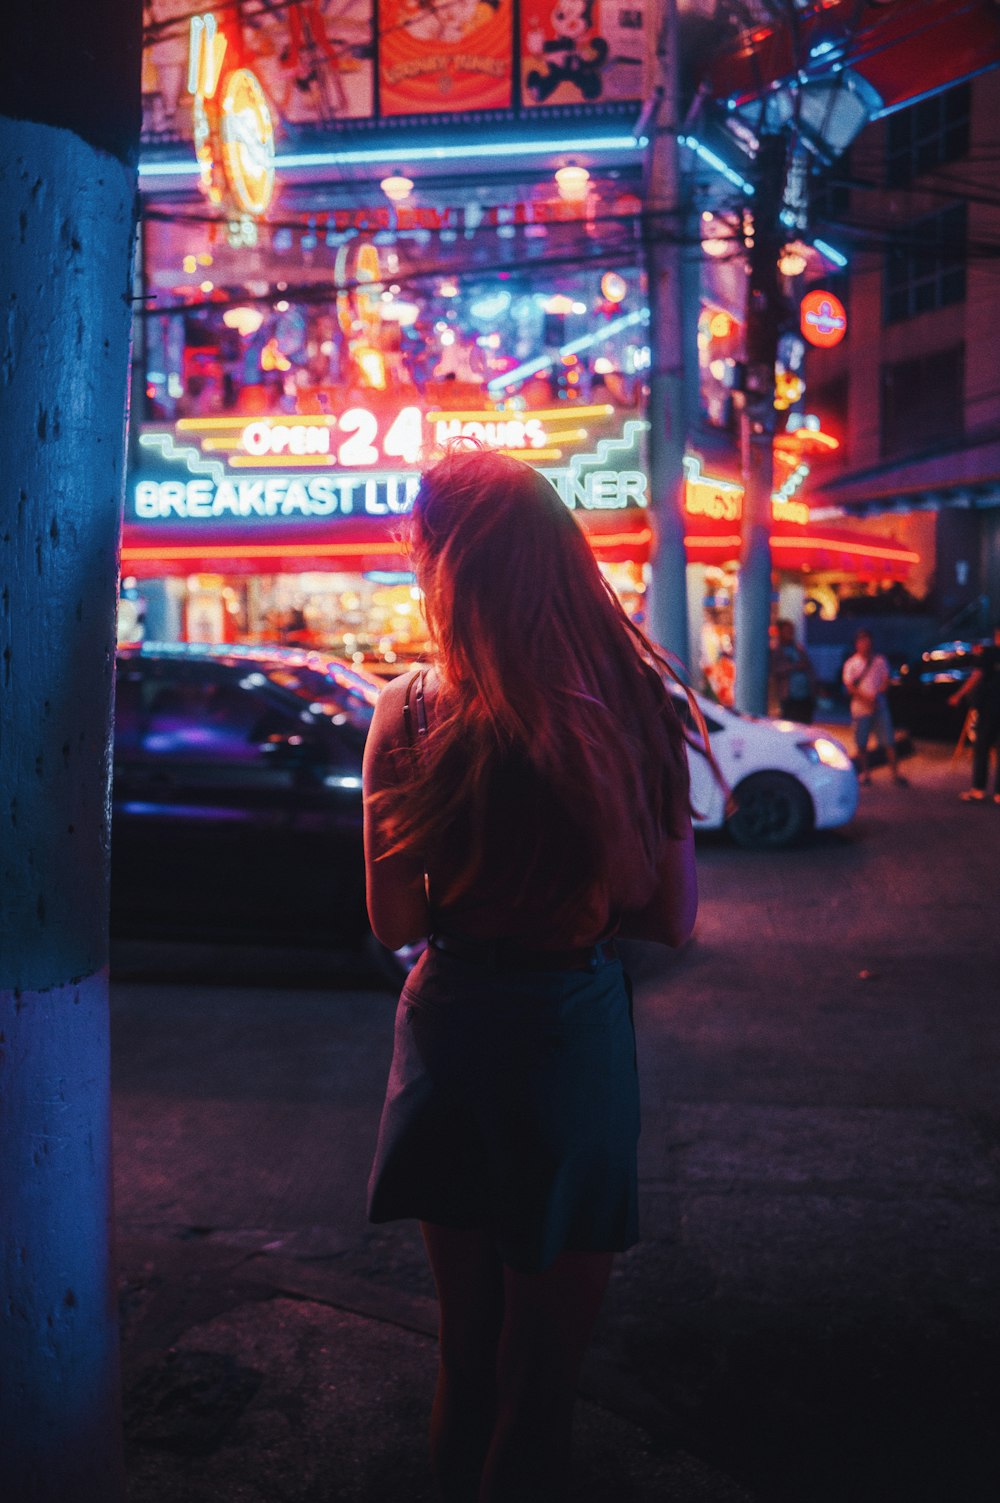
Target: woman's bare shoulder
388, 723
394, 691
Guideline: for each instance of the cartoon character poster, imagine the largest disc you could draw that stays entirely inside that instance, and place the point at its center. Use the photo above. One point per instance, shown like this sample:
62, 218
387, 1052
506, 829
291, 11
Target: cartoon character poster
582, 50
437, 56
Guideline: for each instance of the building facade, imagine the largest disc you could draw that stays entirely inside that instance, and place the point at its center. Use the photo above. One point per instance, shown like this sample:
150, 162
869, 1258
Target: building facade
914, 393
360, 243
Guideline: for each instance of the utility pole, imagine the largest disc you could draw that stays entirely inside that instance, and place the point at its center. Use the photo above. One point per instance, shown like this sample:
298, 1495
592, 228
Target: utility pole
69, 139
668, 616
757, 424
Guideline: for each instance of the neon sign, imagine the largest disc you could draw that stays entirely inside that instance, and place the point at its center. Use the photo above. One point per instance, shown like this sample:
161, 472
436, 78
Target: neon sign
404, 438
804, 435
247, 135
822, 319
383, 434
722, 500
366, 463
233, 128
204, 498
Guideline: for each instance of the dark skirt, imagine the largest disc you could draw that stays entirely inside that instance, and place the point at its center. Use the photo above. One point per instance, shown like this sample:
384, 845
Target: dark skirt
513, 1108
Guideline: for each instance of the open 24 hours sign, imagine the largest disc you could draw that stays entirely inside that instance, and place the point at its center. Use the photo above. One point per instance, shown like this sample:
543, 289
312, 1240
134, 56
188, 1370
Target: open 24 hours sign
367, 461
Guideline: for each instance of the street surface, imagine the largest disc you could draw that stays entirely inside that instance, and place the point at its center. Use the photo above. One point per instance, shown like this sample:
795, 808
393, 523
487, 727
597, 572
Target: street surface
812, 1314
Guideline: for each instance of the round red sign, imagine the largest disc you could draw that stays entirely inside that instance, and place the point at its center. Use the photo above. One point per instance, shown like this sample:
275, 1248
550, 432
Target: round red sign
822, 319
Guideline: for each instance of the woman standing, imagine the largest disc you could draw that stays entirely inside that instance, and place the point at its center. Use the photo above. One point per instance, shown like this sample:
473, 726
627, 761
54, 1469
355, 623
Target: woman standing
526, 800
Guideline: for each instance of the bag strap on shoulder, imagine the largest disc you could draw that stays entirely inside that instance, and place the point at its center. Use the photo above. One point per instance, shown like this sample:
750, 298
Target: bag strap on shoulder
415, 713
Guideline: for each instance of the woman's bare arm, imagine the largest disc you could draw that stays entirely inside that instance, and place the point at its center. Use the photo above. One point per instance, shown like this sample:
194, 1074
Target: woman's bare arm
397, 899
668, 917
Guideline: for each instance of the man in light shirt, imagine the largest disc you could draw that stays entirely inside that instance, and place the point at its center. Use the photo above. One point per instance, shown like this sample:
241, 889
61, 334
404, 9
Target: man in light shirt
866, 678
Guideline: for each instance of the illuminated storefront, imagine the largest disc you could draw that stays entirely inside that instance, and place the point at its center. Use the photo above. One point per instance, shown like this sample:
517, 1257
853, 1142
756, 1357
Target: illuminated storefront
361, 242
290, 526
294, 388
806, 555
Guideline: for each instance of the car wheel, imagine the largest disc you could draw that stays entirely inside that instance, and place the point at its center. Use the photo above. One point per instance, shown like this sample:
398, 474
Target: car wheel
772, 810
394, 965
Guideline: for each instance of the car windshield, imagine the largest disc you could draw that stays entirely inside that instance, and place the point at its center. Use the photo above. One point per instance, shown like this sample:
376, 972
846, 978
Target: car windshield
683, 708
345, 697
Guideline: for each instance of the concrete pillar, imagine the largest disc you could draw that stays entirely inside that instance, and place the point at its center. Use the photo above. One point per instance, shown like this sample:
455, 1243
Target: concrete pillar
668, 404
753, 592
69, 93
164, 609
696, 591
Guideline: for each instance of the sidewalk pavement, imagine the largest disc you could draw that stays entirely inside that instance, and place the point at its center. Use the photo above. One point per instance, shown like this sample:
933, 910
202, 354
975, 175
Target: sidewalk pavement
253, 1377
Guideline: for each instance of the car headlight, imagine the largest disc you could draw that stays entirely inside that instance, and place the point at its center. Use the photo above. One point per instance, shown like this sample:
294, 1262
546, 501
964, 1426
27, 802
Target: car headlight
822, 749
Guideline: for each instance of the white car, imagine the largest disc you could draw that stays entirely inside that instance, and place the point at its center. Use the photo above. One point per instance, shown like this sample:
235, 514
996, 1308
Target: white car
786, 779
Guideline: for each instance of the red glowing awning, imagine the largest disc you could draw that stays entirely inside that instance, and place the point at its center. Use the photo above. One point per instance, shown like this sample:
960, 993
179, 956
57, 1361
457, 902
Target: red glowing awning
350, 545
812, 549
362, 544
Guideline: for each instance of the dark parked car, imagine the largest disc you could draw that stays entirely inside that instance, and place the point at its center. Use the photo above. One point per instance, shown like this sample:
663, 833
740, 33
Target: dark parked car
919, 691
237, 794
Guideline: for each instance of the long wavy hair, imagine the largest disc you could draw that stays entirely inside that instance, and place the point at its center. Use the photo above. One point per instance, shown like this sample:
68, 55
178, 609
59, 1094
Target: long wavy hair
554, 768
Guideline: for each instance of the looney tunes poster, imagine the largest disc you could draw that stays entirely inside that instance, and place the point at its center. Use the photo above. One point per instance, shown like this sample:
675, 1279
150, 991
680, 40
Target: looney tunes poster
444, 55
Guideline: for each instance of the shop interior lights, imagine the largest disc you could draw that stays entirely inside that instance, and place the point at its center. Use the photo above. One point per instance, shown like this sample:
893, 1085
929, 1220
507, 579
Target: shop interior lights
573, 184
245, 321
375, 156
614, 287
520, 373
396, 187
792, 261
717, 238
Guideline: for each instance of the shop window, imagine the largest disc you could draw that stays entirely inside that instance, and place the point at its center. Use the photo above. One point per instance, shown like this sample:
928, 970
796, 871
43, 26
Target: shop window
922, 401
332, 311
925, 265
927, 135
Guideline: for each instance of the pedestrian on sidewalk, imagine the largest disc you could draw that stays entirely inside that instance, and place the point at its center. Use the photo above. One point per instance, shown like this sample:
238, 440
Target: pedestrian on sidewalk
793, 676
526, 800
982, 690
866, 678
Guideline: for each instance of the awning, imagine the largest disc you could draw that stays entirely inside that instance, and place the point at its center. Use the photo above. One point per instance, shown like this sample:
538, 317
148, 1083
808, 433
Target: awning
713, 509
812, 548
362, 544
350, 545
966, 473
